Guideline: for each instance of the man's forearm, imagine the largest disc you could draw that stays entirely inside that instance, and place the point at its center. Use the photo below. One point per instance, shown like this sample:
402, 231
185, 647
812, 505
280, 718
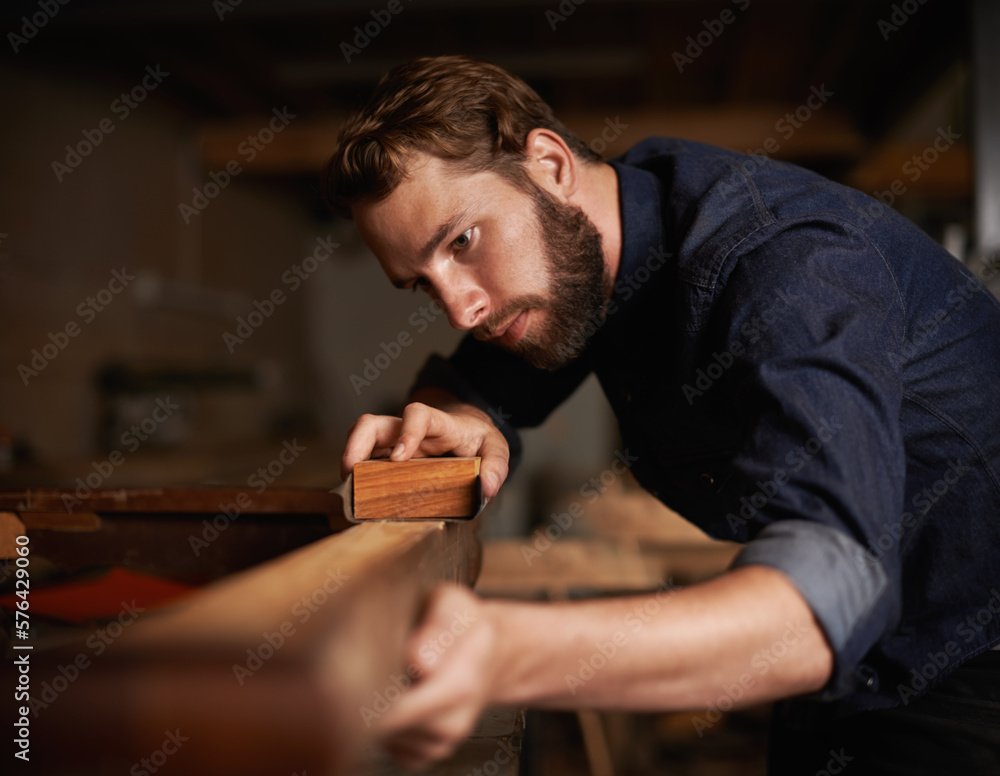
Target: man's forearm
665, 651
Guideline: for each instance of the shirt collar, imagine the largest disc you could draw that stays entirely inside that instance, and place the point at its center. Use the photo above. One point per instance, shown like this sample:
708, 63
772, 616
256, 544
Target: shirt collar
642, 227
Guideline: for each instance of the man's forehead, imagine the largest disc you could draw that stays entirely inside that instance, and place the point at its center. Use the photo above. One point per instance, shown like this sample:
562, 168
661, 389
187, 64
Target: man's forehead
433, 191
427, 173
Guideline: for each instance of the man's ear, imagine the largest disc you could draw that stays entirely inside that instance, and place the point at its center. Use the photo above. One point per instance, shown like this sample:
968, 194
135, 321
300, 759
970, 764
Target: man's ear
551, 164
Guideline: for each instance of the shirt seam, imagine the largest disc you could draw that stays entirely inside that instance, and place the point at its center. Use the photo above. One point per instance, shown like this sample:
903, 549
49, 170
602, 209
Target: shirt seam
959, 429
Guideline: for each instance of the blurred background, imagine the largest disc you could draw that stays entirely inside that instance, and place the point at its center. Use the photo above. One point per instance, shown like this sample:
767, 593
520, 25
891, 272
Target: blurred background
179, 306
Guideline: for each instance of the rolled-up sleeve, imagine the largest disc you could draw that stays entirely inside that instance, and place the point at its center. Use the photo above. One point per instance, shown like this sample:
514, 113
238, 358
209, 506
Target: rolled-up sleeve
849, 595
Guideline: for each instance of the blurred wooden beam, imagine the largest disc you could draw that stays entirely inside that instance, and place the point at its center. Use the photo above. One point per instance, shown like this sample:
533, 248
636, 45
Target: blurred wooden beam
279, 669
304, 145
796, 131
912, 169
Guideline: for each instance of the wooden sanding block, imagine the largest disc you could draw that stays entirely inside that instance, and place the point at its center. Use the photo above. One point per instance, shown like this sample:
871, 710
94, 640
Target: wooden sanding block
420, 487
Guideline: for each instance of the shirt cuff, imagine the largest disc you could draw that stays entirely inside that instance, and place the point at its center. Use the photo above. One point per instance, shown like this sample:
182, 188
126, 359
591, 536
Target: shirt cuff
847, 590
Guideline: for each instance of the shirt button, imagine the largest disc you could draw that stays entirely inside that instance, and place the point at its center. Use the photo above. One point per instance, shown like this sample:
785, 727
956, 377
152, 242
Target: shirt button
869, 676
707, 480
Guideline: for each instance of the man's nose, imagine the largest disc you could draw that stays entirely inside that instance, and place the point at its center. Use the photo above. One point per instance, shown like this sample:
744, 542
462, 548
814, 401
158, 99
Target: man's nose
466, 305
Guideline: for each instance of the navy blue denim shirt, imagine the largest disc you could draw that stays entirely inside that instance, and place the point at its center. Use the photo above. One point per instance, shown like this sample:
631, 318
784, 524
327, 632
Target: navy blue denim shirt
799, 368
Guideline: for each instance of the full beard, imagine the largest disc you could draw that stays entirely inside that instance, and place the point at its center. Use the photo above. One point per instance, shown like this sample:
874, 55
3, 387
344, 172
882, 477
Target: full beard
579, 287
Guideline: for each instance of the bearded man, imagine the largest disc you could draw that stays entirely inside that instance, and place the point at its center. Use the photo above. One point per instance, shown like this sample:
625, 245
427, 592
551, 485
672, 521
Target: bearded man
792, 365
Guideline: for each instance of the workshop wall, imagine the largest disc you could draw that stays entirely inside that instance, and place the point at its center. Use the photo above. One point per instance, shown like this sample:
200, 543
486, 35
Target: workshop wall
100, 268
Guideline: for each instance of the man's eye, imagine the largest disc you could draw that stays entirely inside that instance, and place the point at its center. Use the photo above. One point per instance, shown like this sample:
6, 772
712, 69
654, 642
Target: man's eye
463, 240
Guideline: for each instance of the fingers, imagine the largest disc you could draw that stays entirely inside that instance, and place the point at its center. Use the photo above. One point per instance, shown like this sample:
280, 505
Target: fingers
437, 713
367, 436
419, 422
416, 751
427, 724
425, 430
495, 464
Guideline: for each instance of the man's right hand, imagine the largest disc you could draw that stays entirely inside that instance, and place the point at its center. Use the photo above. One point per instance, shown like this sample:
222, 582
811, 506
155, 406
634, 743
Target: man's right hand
460, 429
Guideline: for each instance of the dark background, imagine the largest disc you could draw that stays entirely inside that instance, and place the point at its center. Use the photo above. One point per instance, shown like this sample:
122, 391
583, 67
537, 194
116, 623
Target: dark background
722, 71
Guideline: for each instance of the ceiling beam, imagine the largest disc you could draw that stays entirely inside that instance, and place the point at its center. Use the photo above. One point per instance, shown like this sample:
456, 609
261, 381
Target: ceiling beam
306, 143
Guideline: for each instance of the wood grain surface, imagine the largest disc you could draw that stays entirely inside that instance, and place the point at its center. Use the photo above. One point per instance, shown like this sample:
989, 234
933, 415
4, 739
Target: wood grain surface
420, 487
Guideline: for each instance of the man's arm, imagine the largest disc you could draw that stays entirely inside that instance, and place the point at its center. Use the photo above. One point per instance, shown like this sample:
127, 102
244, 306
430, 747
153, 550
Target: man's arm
664, 651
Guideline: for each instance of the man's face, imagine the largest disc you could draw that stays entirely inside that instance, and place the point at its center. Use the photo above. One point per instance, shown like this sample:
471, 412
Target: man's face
518, 268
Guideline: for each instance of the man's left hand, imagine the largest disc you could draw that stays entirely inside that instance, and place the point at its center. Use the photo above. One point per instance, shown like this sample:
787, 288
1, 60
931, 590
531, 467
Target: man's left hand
452, 648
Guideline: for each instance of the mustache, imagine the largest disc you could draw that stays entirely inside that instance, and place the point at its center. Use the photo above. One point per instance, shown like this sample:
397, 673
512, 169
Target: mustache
497, 321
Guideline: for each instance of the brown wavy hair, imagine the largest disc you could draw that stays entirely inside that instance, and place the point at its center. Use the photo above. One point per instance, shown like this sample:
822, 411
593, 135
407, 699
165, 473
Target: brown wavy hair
459, 109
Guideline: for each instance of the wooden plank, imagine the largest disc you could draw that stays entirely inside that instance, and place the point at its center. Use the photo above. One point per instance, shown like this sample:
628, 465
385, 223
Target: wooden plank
171, 500
420, 487
268, 671
61, 521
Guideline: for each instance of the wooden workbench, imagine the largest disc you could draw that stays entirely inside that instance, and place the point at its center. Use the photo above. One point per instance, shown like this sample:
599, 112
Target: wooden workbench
273, 669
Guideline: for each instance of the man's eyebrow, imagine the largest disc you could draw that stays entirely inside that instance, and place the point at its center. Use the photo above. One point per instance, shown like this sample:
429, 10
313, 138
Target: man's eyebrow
440, 234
